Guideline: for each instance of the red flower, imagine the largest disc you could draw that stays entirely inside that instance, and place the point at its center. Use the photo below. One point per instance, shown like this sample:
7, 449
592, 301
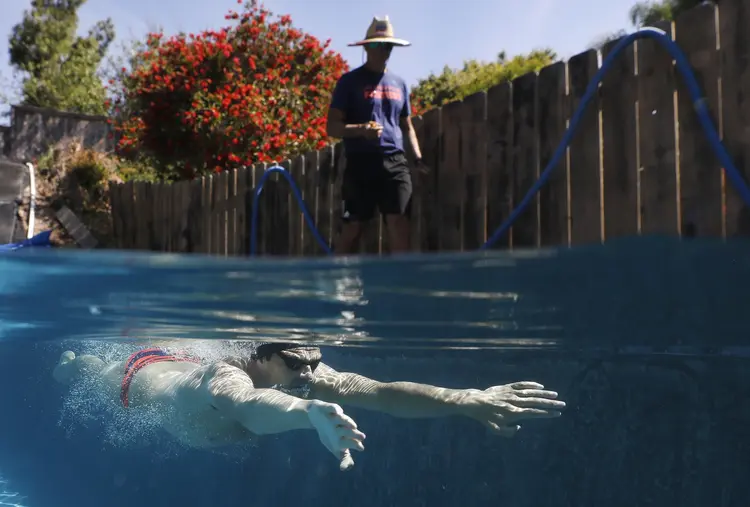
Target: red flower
186, 103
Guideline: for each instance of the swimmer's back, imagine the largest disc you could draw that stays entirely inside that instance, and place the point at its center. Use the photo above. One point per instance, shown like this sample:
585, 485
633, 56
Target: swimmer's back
192, 418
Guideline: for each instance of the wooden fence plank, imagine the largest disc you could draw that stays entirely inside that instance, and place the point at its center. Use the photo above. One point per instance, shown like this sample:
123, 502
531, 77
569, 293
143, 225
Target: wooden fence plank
183, 210
214, 211
166, 210
206, 205
525, 231
149, 215
218, 221
171, 210
554, 213
224, 216
699, 169
473, 167
158, 237
656, 127
326, 206
309, 244
232, 204
734, 16
266, 202
282, 209
415, 206
265, 206
128, 214
141, 217
295, 214
585, 154
195, 219
152, 191
177, 216
430, 143
450, 180
243, 190
499, 160
620, 144
115, 206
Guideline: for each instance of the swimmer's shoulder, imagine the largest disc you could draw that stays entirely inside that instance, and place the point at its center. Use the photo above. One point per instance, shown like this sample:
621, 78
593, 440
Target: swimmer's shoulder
223, 379
212, 376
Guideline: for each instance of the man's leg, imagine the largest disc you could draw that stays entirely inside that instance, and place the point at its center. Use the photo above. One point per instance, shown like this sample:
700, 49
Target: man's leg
71, 368
399, 233
395, 203
348, 239
358, 203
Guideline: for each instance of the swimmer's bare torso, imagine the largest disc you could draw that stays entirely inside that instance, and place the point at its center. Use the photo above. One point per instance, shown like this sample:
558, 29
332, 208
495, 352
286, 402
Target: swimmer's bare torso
178, 392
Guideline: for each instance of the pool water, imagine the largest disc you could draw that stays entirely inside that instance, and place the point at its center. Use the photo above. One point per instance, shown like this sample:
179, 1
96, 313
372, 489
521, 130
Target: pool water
644, 339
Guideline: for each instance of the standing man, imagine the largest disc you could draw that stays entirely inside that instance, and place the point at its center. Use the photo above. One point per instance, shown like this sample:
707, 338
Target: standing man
370, 111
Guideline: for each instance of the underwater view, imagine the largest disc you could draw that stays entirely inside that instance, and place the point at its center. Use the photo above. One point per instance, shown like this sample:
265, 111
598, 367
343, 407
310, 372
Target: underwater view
606, 375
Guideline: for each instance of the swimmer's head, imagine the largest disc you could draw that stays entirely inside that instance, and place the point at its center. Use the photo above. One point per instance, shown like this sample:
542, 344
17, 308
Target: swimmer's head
281, 364
287, 364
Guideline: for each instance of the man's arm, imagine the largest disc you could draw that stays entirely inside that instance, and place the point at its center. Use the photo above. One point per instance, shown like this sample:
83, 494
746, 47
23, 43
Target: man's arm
260, 411
267, 411
338, 128
408, 127
336, 125
499, 408
399, 399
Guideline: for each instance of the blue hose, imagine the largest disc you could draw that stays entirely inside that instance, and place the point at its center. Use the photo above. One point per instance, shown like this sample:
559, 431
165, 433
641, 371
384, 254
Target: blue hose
300, 201
699, 103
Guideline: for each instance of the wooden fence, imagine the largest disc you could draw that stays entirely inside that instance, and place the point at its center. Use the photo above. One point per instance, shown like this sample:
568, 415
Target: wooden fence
639, 163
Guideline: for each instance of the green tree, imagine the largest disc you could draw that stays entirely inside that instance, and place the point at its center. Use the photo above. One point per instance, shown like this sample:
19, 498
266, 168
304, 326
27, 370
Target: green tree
649, 12
60, 68
455, 84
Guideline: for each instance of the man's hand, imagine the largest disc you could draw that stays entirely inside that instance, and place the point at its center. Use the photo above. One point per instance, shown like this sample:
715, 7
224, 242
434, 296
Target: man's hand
501, 408
337, 431
372, 130
421, 168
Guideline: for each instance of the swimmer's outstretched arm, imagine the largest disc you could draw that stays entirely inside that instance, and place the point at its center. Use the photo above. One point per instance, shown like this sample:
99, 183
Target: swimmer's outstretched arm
269, 411
261, 411
498, 408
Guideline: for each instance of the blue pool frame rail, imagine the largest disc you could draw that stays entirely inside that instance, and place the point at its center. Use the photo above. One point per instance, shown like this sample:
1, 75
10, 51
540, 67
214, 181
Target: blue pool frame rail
41, 240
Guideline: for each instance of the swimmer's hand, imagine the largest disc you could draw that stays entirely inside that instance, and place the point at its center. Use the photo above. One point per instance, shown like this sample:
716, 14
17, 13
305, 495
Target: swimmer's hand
337, 431
501, 408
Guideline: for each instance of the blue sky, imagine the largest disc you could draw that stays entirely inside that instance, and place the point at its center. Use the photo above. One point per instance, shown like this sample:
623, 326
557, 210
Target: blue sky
434, 27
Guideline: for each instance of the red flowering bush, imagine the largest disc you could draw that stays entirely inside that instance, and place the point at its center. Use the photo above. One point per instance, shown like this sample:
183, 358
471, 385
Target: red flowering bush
256, 91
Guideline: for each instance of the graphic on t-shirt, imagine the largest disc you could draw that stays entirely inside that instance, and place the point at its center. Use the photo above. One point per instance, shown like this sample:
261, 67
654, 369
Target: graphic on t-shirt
380, 92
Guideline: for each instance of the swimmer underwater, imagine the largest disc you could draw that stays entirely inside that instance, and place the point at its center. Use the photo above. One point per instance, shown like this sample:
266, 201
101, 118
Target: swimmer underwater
237, 398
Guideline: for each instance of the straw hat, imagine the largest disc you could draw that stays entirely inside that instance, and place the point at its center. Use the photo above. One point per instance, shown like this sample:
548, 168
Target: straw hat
381, 30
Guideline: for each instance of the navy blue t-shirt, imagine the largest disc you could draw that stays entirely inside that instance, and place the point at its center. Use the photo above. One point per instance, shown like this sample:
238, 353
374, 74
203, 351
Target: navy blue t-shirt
364, 96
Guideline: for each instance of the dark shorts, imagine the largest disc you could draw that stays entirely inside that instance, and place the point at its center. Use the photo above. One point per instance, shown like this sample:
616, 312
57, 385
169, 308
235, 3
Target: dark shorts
375, 181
